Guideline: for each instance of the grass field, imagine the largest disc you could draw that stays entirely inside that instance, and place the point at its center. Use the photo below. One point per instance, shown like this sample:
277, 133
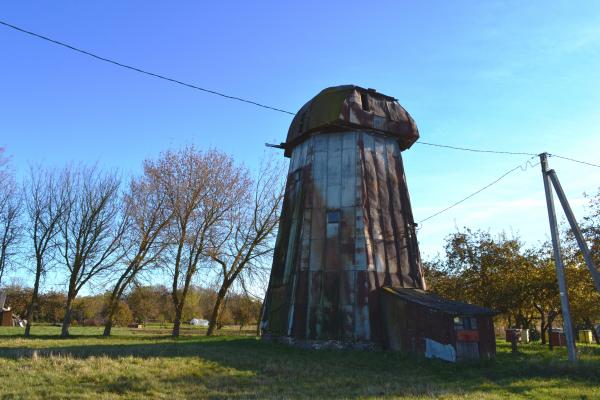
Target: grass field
140, 364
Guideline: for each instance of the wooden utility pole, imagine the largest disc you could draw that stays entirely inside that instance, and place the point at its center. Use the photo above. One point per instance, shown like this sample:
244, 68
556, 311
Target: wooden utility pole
587, 255
560, 270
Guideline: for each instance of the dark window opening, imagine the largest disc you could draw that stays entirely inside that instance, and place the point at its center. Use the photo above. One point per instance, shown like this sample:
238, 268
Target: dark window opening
364, 99
466, 323
473, 323
458, 323
334, 216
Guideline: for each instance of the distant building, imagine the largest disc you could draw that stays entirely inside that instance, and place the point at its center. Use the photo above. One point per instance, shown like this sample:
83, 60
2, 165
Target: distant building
199, 322
347, 228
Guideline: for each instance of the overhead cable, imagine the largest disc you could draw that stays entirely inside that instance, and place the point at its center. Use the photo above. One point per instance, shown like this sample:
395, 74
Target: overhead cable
216, 93
522, 167
519, 153
573, 160
504, 152
68, 46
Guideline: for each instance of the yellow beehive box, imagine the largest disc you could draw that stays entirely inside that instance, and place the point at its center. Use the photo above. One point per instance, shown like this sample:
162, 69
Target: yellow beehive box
585, 336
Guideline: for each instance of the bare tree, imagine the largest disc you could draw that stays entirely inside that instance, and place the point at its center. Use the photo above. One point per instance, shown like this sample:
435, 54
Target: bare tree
248, 235
201, 188
3, 162
44, 205
92, 229
10, 210
149, 214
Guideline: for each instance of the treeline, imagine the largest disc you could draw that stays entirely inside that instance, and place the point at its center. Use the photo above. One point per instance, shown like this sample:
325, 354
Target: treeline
499, 272
141, 305
190, 215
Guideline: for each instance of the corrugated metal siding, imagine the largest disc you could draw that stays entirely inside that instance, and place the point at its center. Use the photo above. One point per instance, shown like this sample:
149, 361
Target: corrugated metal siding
325, 276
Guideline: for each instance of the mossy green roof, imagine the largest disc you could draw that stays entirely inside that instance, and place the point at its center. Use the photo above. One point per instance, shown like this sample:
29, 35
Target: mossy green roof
350, 107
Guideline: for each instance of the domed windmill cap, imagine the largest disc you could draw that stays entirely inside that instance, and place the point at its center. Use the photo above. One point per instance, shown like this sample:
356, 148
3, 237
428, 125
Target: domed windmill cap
350, 107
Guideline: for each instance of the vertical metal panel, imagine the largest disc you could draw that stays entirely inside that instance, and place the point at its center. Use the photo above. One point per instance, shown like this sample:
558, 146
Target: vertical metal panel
320, 164
360, 253
347, 288
317, 229
320, 143
385, 211
335, 142
348, 176
333, 259
317, 248
305, 241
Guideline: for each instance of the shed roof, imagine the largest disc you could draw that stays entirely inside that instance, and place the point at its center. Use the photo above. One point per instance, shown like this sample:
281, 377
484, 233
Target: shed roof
430, 300
352, 107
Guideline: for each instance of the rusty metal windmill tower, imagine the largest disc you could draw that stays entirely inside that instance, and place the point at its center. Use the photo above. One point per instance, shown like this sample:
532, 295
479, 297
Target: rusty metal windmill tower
347, 227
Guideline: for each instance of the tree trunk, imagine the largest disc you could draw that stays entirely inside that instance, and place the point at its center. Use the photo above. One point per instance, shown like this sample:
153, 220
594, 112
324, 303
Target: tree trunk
108, 324
177, 321
113, 304
34, 300
214, 318
260, 317
67, 319
550, 344
543, 327
176, 325
107, 327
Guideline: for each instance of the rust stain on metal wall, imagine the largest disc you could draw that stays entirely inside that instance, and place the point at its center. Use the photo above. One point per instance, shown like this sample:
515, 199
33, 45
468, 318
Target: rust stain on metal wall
346, 226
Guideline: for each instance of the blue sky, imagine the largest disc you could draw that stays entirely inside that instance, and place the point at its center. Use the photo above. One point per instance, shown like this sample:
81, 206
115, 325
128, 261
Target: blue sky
520, 76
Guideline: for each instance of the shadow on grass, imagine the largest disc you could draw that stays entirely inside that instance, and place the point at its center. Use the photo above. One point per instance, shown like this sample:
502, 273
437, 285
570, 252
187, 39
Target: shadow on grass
281, 371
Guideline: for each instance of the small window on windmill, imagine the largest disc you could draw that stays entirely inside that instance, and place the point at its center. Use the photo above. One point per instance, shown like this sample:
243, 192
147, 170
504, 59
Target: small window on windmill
364, 99
333, 216
333, 223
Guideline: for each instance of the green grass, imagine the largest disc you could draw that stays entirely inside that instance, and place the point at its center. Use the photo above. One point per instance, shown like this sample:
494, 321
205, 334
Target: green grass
137, 364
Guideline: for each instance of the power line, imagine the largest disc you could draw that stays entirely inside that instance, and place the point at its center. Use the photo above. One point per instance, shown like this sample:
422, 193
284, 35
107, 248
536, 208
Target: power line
505, 152
519, 153
573, 160
521, 167
144, 71
70, 47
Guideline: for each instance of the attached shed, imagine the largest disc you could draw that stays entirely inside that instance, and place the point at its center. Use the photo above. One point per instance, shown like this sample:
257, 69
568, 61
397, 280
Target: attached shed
420, 322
